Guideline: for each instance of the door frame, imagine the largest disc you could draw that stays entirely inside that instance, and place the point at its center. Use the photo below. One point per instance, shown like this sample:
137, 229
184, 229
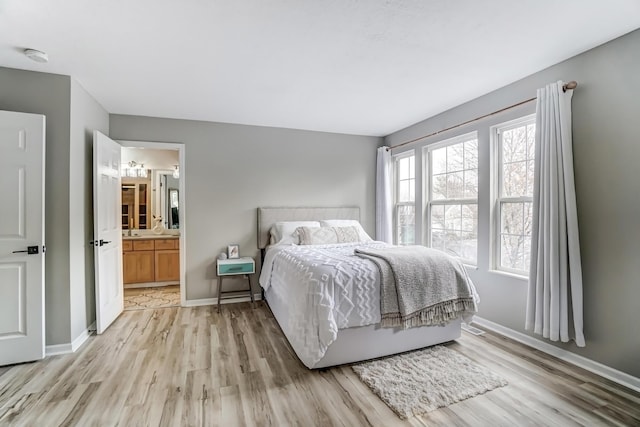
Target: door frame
157, 145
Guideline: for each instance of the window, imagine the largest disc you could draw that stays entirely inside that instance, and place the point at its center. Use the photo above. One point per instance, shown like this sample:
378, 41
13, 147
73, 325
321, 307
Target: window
452, 208
405, 196
514, 215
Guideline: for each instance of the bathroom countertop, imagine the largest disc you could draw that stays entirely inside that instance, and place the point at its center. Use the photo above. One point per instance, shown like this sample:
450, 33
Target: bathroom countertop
151, 236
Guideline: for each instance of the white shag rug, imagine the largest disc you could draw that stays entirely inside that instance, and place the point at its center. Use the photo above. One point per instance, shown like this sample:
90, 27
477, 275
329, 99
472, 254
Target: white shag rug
420, 381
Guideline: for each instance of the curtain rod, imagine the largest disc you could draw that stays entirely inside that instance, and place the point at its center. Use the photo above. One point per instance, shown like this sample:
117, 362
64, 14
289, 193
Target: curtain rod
567, 86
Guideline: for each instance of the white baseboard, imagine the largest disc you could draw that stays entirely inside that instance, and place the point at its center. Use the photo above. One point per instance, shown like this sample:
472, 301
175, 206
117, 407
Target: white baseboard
598, 368
80, 339
54, 350
214, 301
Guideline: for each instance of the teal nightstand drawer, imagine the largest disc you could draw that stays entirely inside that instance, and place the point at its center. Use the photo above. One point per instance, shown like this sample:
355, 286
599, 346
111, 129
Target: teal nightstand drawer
230, 267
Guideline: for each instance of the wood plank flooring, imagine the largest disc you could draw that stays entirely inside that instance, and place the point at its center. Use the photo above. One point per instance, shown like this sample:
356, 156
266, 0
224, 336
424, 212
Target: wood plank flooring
195, 367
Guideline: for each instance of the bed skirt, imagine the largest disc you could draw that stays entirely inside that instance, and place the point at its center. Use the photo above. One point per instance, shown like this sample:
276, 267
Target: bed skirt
372, 341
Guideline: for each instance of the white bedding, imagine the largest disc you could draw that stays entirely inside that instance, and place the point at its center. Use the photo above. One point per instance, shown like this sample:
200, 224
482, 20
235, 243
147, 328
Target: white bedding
334, 289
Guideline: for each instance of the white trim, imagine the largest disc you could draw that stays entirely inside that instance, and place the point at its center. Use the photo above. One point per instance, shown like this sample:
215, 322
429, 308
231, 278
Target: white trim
57, 349
597, 368
214, 301
54, 350
84, 335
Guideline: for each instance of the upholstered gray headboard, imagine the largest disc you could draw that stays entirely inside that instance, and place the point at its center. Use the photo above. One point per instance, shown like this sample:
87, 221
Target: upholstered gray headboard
269, 216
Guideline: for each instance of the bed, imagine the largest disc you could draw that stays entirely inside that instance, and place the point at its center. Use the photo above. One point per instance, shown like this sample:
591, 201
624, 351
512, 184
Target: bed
347, 328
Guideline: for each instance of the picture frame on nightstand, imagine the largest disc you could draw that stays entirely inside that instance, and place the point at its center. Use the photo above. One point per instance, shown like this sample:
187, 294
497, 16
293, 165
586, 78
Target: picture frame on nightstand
233, 251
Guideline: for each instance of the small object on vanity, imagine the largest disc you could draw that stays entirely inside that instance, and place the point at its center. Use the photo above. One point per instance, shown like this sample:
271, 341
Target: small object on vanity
233, 251
244, 266
222, 256
158, 227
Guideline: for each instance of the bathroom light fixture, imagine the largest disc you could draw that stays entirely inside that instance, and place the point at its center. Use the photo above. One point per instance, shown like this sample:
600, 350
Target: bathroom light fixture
135, 170
36, 55
176, 172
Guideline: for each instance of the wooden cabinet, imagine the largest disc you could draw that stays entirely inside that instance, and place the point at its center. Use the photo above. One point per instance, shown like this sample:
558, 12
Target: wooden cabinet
151, 260
167, 260
136, 203
138, 266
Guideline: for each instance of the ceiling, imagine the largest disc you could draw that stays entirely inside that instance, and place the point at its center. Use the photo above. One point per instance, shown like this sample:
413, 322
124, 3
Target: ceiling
366, 67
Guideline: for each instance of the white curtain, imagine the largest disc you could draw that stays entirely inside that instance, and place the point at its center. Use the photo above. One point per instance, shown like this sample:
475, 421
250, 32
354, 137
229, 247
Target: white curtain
384, 195
554, 304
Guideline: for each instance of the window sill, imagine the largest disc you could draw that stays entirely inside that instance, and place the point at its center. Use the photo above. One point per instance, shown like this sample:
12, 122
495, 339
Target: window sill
511, 275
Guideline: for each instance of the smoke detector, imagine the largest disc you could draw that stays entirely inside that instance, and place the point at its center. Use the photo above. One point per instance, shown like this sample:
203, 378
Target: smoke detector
36, 55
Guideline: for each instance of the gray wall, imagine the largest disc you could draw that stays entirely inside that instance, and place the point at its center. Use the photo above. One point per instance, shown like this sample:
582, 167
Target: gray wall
86, 116
606, 159
232, 169
49, 94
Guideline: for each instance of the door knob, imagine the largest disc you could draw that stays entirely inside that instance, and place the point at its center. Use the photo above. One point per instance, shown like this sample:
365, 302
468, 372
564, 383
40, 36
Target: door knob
31, 250
99, 242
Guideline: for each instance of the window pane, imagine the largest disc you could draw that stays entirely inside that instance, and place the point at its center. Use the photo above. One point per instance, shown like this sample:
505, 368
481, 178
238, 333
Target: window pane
412, 190
455, 157
469, 246
455, 185
470, 184
517, 147
515, 179
437, 239
530, 177
470, 218
512, 218
471, 154
511, 251
514, 147
403, 187
437, 216
454, 176
406, 225
439, 190
452, 243
528, 218
439, 161
453, 217
531, 141
403, 168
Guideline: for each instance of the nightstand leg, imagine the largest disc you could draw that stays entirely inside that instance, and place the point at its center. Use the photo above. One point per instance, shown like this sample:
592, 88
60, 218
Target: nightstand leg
250, 292
219, 288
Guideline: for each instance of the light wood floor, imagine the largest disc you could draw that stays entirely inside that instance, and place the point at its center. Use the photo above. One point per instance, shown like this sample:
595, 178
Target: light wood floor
195, 367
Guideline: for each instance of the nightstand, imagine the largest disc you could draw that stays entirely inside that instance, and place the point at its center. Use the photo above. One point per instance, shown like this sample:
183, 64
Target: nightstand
235, 267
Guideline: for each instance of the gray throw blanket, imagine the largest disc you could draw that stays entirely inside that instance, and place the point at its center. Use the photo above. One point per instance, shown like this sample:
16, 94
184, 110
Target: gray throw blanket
421, 286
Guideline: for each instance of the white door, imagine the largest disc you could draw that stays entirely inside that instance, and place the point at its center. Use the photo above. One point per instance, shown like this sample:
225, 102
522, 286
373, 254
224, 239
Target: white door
22, 145
107, 230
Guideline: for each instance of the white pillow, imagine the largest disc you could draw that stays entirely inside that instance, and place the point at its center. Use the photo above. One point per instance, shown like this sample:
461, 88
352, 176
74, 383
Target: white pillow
364, 237
327, 235
283, 232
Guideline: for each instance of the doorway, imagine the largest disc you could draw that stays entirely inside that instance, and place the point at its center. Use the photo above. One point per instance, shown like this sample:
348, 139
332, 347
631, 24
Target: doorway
153, 224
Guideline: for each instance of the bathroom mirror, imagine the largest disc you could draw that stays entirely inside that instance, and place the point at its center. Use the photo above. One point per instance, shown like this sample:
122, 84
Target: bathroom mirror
167, 199
150, 183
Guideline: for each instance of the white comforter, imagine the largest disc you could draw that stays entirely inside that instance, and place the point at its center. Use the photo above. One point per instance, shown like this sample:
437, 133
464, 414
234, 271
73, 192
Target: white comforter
327, 288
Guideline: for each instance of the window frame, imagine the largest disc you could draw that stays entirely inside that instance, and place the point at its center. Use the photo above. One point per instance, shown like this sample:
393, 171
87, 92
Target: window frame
396, 192
430, 201
497, 189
